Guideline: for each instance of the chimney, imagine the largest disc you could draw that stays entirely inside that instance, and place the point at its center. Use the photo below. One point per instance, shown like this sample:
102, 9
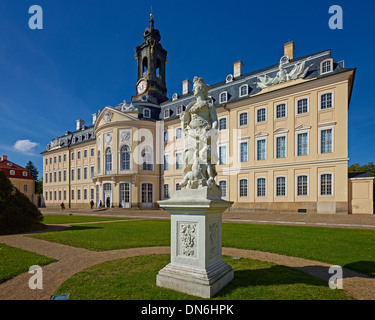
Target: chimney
237, 69
80, 124
289, 49
3, 158
94, 117
186, 86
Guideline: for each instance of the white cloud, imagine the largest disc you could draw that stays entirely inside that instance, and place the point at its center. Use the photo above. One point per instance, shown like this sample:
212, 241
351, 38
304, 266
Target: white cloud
25, 146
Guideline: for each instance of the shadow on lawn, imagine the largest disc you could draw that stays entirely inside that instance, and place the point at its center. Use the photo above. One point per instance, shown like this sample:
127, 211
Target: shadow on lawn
59, 228
274, 275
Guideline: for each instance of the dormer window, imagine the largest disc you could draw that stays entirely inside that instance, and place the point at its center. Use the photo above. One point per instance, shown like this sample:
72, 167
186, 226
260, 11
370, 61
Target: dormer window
166, 113
326, 66
223, 97
179, 109
175, 96
244, 90
229, 78
24, 173
12, 172
147, 113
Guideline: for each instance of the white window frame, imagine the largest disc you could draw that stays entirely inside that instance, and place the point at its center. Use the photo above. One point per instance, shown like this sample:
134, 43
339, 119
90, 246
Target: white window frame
144, 113
275, 110
166, 154
226, 186
175, 133
247, 90
257, 138
332, 92
300, 131
226, 123
164, 197
308, 185
322, 127
247, 119
226, 97
226, 153
247, 140
332, 186
286, 186
182, 109
169, 113
321, 66
308, 105
12, 172
182, 160
256, 115
280, 135
256, 187
24, 173
247, 188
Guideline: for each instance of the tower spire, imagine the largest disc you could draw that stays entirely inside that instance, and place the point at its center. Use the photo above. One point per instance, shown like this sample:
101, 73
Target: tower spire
151, 19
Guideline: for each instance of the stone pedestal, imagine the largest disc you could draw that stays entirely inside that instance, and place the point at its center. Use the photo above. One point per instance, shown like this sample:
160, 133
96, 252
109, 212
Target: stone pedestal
196, 265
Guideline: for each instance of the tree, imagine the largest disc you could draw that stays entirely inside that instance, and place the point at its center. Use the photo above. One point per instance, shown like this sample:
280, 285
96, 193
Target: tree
32, 169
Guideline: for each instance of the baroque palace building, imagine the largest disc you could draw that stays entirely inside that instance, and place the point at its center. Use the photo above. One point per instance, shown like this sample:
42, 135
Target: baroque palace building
283, 140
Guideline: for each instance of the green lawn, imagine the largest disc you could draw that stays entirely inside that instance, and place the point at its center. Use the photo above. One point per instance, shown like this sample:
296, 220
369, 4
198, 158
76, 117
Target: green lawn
351, 248
66, 219
14, 261
135, 279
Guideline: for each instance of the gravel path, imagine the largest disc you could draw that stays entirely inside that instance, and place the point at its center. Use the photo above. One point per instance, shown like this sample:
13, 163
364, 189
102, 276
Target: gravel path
71, 260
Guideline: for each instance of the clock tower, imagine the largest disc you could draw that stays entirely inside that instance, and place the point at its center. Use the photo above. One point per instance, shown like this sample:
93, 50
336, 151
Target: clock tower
152, 60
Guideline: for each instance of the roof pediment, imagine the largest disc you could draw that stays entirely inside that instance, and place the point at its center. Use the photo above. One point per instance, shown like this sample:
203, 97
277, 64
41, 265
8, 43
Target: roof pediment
112, 115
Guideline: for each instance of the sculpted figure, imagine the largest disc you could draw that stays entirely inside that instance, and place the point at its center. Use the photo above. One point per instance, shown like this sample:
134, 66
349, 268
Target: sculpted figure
199, 123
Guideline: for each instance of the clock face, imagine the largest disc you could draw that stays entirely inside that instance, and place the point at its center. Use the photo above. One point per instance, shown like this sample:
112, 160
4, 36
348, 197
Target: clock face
142, 86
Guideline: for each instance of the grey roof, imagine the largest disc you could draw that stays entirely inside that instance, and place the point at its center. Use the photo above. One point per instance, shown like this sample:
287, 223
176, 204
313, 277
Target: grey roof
359, 175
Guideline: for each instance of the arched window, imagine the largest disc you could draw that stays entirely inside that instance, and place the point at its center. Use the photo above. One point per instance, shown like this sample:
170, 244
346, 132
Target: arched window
108, 160
98, 161
125, 158
146, 154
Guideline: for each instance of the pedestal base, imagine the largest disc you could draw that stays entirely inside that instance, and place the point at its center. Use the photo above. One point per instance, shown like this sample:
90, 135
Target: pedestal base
204, 283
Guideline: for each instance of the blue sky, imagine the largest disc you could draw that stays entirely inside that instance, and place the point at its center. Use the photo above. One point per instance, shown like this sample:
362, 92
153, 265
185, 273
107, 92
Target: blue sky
83, 59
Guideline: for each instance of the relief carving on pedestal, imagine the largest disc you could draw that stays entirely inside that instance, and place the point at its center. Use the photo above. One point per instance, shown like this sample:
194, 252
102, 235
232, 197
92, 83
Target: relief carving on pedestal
187, 239
214, 237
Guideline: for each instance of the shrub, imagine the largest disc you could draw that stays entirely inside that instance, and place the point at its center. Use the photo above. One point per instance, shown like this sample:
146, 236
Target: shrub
17, 213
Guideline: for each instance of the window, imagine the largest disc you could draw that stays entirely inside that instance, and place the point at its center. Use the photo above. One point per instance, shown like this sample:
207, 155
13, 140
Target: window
92, 152
179, 160
84, 194
326, 184
166, 162
12, 172
166, 136
125, 158
243, 119
244, 90
302, 106
54, 177
54, 195
223, 187
64, 174
108, 161
92, 194
92, 171
25, 188
178, 133
179, 109
24, 173
59, 195
98, 161
64, 195
50, 177
166, 113
281, 147
326, 101
46, 178
46, 196
261, 115
79, 194
243, 152
147, 192
46, 161
326, 66
78, 154
302, 185
54, 159
50, 162
223, 124
59, 176
72, 174
178, 187
146, 113
59, 158
222, 154
85, 153
261, 187
281, 111
85, 173
50, 195
78, 173
280, 187
326, 141
146, 154
261, 149
223, 97
243, 188
302, 144
166, 191
72, 155
64, 157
